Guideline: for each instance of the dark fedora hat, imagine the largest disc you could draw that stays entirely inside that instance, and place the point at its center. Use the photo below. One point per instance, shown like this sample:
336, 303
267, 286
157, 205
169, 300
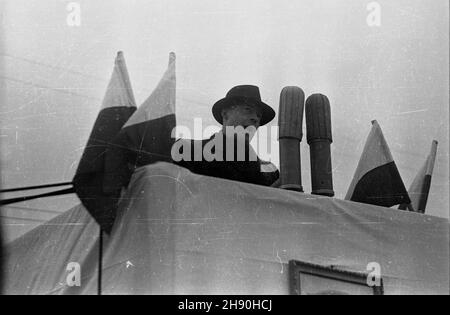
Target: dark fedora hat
243, 94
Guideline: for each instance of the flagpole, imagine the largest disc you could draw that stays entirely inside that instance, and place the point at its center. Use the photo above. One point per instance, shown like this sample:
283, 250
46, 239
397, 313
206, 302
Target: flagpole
1, 259
100, 262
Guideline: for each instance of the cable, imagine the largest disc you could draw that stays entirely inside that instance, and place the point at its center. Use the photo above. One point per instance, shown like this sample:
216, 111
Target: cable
60, 90
81, 74
25, 198
35, 187
53, 67
22, 219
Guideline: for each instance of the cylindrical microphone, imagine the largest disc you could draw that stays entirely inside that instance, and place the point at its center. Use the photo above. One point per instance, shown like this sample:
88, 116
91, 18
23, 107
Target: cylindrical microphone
318, 134
290, 120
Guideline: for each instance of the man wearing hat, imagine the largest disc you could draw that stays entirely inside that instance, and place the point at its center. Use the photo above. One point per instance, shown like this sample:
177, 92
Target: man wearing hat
240, 113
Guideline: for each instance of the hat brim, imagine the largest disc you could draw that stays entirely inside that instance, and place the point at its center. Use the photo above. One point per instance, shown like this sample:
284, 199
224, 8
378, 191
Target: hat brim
267, 112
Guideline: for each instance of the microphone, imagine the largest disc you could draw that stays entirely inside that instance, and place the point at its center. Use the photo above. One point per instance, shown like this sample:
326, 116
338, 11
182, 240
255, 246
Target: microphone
318, 133
290, 120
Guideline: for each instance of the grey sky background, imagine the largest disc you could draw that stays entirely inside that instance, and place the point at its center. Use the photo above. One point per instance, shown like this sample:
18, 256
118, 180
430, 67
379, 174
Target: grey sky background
53, 77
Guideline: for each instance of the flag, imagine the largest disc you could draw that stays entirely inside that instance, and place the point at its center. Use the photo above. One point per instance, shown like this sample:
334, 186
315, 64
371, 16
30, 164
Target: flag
117, 107
420, 187
146, 138
377, 180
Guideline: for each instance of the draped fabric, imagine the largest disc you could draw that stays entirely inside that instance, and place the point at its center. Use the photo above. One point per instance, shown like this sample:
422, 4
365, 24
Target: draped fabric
183, 233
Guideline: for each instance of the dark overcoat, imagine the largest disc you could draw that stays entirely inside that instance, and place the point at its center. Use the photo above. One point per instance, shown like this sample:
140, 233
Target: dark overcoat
257, 172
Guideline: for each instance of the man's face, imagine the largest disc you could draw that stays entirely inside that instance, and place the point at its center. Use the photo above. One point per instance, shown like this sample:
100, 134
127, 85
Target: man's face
244, 115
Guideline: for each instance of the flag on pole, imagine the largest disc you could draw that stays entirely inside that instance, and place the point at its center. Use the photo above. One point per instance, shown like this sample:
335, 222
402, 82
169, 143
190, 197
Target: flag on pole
146, 138
420, 187
377, 180
117, 107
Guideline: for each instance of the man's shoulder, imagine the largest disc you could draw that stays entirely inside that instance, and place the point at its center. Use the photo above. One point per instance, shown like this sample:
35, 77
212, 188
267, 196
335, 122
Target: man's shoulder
189, 152
191, 141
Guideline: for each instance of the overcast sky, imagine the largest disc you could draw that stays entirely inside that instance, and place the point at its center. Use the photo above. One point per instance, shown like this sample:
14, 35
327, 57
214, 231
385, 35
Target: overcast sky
53, 76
